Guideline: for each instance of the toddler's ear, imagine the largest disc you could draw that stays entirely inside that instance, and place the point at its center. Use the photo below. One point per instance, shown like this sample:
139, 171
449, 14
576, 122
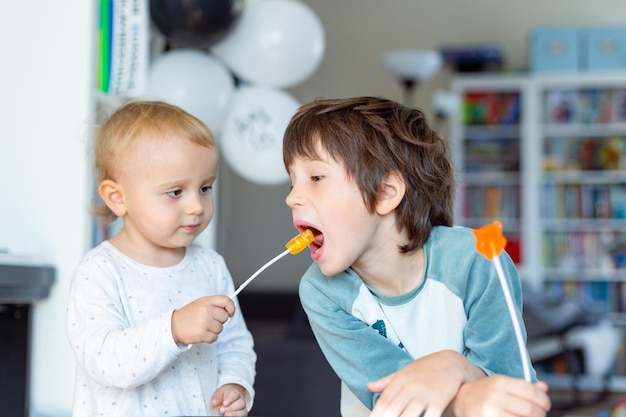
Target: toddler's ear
393, 189
111, 194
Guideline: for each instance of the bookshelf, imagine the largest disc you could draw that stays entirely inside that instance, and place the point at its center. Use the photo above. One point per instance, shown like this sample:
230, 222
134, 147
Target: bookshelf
550, 163
490, 156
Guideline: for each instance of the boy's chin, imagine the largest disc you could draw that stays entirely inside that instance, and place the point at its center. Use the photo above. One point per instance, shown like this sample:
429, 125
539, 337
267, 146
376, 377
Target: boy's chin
330, 270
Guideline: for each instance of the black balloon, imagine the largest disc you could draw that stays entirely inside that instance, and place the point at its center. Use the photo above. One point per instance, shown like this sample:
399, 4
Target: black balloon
195, 23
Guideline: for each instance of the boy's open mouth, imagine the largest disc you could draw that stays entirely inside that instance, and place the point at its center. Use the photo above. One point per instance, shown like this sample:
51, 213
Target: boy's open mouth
318, 242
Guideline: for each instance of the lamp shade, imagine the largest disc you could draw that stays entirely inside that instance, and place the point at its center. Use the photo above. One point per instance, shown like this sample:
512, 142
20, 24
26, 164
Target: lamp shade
412, 64
446, 103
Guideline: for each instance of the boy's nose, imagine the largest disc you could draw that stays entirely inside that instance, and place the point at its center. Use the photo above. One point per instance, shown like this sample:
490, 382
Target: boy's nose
293, 198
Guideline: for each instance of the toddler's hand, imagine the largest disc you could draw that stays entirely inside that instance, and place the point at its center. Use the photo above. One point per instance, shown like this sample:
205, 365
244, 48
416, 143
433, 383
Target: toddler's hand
230, 399
202, 320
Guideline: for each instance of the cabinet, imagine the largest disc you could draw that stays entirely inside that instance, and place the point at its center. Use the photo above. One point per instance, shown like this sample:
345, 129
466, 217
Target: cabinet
546, 155
23, 281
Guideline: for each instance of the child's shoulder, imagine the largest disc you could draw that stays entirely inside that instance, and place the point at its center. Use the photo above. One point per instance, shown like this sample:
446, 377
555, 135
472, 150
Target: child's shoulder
103, 250
456, 235
101, 260
347, 281
456, 245
318, 289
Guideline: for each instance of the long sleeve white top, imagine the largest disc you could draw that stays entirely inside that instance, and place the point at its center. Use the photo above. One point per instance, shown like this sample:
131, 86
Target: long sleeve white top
119, 327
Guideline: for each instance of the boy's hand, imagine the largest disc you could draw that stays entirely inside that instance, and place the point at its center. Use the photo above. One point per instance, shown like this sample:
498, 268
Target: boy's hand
202, 320
427, 385
501, 395
230, 399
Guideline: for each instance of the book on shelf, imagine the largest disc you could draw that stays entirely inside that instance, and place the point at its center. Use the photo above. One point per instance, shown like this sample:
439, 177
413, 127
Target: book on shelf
492, 202
491, 154
617, 199
561, 106
585, 106
599, 293
584, 153
586, 254
618, 111
491, 108
584, 201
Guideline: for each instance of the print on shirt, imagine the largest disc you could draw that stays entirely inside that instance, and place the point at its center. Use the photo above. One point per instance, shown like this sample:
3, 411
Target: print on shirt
382, 330
380, 326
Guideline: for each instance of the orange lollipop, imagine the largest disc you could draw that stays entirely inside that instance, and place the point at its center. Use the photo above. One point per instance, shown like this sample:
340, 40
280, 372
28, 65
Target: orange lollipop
489, 240
300, 242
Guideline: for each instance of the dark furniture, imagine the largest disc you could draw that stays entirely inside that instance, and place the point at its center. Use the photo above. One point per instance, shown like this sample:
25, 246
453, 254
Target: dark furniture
21, 284
293, 377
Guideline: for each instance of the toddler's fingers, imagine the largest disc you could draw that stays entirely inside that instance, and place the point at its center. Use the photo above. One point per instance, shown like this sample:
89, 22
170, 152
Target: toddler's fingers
237, 407
224, 302
218, 398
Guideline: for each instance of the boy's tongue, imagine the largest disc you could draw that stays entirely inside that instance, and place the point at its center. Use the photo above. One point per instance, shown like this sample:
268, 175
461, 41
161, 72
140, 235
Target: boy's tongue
319, 240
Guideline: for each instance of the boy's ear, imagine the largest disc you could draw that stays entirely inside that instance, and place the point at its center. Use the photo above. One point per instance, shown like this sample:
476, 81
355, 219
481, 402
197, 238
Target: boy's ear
112, 195
393, 189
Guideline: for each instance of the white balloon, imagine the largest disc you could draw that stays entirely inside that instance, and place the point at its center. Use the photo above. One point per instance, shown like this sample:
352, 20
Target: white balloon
278, 43
195, 81
252, 135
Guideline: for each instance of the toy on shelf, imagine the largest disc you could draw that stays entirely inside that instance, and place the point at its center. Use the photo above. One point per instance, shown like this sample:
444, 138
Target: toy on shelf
489, 243
620, 408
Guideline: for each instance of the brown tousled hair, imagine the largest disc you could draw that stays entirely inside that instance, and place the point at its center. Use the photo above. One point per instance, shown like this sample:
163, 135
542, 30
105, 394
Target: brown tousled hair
373, 137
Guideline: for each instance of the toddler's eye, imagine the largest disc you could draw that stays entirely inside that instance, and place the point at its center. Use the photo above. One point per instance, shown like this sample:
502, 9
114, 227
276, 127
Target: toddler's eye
174, 193
206, 189
316, 178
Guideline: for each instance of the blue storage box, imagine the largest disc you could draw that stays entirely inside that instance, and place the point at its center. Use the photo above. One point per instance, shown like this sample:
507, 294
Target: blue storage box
555, 49
604, 47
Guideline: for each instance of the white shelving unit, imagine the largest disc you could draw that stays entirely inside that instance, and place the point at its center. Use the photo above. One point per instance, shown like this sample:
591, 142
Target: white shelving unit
569, 210
494, 136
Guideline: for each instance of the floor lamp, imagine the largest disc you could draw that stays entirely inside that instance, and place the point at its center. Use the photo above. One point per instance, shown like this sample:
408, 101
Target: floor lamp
411, 67
445, 104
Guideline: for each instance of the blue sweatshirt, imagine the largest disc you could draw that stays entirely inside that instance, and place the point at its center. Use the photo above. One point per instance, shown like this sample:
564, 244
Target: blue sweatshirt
459, 306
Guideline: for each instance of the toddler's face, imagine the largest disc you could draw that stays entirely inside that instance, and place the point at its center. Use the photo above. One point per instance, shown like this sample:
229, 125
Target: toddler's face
167, 185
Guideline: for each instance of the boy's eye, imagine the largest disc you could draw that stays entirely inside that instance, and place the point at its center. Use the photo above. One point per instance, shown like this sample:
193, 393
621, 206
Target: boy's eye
174, 193
206, 189
316, 178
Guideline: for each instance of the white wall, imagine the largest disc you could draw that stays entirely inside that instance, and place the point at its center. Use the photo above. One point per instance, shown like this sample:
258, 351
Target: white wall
358, 31
45, 109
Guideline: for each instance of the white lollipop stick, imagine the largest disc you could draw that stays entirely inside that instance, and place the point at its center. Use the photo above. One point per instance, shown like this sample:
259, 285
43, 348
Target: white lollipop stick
489, 242
294, 246
253, 276
513, 314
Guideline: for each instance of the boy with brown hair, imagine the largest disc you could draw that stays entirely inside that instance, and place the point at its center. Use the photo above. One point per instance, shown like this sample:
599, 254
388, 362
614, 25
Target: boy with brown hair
411, 318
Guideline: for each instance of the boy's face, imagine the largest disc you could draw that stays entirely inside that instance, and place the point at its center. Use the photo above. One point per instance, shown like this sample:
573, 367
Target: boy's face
166, 184
325, 199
